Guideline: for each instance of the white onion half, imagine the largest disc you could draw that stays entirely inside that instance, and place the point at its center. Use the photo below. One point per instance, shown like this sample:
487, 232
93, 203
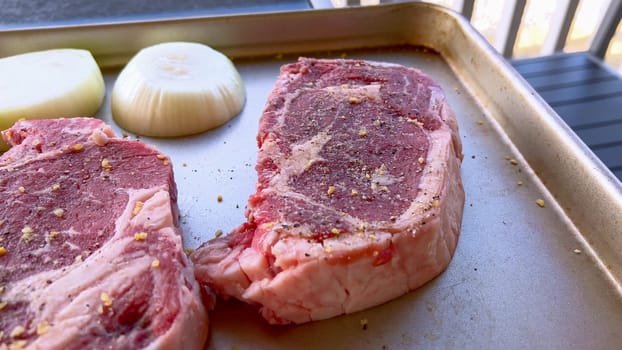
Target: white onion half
176, 89
49, 84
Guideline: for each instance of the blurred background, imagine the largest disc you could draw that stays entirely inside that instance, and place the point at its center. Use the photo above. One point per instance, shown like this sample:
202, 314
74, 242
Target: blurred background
535, 27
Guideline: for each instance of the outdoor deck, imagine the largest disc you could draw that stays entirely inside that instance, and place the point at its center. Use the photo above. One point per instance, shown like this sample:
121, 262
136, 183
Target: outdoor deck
586, 94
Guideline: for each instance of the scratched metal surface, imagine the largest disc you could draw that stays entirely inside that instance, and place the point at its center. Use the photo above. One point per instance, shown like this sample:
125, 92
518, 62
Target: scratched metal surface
522, 276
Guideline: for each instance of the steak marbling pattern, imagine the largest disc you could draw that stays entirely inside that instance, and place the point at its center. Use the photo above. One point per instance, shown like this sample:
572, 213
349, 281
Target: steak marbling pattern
359, 197
92, 255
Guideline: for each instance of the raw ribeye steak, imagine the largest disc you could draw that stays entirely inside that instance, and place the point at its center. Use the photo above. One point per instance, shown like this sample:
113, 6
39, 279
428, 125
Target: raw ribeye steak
359, 198
91, 254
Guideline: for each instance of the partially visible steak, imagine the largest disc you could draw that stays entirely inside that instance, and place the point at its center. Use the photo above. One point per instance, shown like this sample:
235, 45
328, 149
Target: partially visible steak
359, 198
92, 255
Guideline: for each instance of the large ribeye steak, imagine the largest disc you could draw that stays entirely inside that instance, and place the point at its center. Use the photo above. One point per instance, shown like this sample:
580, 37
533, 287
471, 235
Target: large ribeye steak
91, 254
359, 198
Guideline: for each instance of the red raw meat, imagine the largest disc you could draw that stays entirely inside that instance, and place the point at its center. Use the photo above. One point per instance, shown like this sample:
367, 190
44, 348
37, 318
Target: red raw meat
359, 198
92, 254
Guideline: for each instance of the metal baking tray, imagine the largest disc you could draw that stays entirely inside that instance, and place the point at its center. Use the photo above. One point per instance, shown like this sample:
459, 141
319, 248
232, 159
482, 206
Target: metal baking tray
522, 276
